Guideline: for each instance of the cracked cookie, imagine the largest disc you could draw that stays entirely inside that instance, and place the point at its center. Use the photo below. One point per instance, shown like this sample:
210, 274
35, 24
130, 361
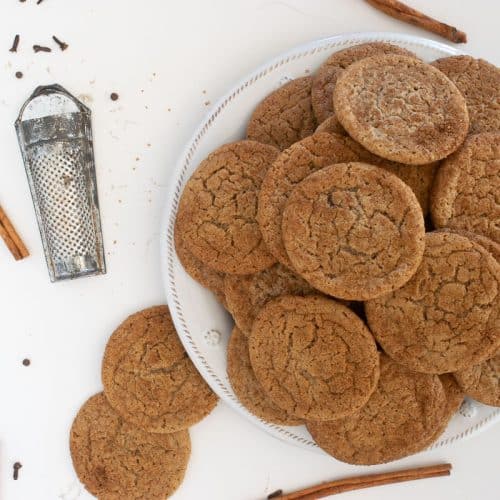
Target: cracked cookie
354, 231
216, 217
314, 153
331, 125
479, 82
466, 186
328, 73
401, 109
313, 356
285, 116
247, 388
148, 377
117, 461
482, 381
447, 317
246, 295
486, 243
398, 420
200, 272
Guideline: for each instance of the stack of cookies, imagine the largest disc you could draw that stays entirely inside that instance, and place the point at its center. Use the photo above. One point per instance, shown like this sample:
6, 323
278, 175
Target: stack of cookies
132, 440
355, 238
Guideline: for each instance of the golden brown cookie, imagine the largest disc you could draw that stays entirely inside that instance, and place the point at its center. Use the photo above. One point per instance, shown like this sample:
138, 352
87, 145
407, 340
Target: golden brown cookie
354, 231
200, 272
331, 125
399, 419
247, 388
447, 317
246, 295
285, 116
486, 243
479, 82
216, 217
466, 186
117, 461
328, 73
482, 381
401, 109
148, 377
454, 398
311, 154
313, 356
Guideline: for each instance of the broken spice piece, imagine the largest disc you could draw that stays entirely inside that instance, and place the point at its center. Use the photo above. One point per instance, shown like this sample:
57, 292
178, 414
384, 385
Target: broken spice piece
15, 44
62, 45
41, 48
399, 10
16, 468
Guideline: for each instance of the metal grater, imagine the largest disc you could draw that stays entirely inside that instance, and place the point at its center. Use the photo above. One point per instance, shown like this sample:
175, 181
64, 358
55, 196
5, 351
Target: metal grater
55, 136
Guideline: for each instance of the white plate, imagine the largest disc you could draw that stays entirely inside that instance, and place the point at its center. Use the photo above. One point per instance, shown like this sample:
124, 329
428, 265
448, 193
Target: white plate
202, 324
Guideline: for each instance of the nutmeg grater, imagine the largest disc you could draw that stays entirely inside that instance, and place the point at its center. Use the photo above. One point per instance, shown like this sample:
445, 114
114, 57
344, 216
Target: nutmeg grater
55, 136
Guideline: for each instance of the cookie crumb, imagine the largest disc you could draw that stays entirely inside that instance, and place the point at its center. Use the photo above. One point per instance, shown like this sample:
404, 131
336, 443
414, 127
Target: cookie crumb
26, 362
16, 467
114, 96
19, 74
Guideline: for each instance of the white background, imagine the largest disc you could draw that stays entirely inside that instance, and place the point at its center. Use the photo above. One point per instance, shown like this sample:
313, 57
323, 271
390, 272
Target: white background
168, 61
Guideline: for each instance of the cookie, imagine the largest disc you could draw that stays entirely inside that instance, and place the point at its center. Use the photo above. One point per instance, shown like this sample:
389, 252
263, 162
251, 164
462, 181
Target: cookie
479, 82
398, 420
200, 272
401, 109
466, 186
489, 245
313, 357
247, 388
447, 317
482, 381
117, 461
328, 73
354, 231
311, 154
454, 398
285, 116
246, 295
331, 125
216, 217
149, 379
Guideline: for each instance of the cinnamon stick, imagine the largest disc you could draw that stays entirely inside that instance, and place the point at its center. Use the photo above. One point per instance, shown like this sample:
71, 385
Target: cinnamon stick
400, 11
360, 482
11, 238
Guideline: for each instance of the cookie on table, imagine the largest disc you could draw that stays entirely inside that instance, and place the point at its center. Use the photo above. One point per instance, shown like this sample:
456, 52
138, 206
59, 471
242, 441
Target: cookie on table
331, 125
401, 109
285, 116
465, 191
148, 377
479, 82
328, 73
482, 381
116, 460
399, 419
447, 317
246, 295
217, 209
247, 388
354, 231
199, 271
313, 357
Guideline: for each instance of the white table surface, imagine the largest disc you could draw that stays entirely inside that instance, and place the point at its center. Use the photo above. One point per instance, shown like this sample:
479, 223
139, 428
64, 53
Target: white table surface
168, 60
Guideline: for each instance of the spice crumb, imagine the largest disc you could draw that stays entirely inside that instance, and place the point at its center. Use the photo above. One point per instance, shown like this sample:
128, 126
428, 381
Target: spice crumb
275, 494
16, 468
19, 74
204, 91
137, 158
26, 362
114, 242
62, 45
169, 109
41, 48
114, 96
15, 44
207, 103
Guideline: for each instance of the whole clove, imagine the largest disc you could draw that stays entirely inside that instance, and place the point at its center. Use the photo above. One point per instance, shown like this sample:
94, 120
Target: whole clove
16, 468
41, 48
15, 44
62, 45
